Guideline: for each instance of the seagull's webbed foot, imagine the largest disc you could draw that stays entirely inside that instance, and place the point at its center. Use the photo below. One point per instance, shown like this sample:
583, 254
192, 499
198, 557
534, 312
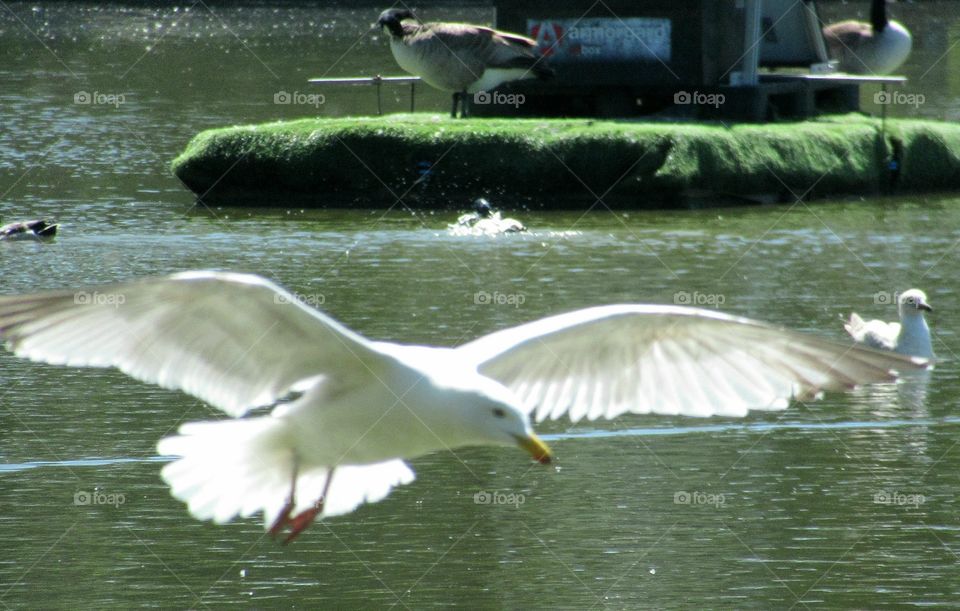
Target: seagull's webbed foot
298, 523
282, 520
303, 519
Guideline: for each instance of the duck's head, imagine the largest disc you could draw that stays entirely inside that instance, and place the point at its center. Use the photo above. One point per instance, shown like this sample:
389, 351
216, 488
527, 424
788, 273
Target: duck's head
913, 302
482, 207
392, 19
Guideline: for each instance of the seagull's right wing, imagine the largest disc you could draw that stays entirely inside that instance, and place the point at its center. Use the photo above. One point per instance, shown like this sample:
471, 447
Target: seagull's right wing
608, 360
237, 341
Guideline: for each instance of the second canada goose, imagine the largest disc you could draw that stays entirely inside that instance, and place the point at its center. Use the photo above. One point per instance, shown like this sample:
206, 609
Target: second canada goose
459, 57
878, 47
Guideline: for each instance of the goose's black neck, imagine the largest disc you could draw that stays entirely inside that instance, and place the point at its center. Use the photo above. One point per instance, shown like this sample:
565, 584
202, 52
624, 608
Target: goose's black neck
878, 15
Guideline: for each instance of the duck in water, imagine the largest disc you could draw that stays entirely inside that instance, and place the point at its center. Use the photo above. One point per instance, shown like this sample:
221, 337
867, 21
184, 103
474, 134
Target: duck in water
29, 230
484, 220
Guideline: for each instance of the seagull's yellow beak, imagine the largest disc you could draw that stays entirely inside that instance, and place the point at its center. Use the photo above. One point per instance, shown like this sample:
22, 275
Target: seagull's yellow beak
539, 450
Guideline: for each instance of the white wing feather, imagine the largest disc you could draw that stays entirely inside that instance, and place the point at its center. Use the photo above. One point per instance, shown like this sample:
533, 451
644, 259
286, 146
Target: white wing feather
608, 360
237, 341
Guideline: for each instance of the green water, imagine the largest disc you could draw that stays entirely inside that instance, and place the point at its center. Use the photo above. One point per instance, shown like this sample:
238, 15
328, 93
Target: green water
845, 502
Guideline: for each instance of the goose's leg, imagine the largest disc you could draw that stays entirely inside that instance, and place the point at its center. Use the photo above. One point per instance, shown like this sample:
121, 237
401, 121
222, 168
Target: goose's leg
305, 518
456, 99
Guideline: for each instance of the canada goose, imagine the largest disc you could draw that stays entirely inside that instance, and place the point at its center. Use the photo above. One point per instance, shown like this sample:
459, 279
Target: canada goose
878, 47
459, 57
484, 220
910, 336
28, 230
348, 412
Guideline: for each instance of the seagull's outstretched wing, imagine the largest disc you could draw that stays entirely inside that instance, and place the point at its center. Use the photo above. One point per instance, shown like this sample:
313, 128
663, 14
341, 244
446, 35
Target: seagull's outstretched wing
237, 341
875, 333
608, 360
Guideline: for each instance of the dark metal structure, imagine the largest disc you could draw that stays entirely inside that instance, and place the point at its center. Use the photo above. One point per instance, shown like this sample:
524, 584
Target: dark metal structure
737, 59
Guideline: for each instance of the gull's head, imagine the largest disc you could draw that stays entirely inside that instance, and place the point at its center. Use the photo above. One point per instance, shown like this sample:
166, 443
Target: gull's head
392, 18
913, 303
487, 415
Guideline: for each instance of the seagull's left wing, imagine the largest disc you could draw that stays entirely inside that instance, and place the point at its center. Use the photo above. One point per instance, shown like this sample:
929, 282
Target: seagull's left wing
608, 360
237, 341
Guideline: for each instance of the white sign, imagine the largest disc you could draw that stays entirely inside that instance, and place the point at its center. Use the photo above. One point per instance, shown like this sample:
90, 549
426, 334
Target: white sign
602, 38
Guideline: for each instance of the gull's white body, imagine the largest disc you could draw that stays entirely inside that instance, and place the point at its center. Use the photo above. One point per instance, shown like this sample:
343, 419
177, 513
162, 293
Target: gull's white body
910, 336
359, 408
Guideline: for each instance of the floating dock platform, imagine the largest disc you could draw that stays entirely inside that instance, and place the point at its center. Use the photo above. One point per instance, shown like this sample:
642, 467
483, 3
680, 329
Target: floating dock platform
433, 161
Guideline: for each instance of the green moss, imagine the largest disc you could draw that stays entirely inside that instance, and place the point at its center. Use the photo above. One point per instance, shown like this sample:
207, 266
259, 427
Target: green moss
373, 160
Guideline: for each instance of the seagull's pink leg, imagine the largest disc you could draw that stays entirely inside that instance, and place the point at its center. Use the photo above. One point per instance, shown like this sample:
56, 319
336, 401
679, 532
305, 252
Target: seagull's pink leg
284, 517
305, 518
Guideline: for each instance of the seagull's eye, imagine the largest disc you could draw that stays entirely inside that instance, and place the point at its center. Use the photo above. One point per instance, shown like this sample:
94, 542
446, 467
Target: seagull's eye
499, 412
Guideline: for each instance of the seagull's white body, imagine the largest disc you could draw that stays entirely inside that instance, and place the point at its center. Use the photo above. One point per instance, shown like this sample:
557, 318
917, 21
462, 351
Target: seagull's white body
348, 411
910, 336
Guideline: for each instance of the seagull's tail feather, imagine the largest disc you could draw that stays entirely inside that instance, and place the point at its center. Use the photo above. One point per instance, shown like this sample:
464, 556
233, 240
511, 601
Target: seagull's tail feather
231, 467
239, 467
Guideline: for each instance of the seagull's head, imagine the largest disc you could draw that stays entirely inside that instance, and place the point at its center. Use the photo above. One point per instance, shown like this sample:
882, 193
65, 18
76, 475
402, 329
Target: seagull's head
913, 303
392, 19
487, 416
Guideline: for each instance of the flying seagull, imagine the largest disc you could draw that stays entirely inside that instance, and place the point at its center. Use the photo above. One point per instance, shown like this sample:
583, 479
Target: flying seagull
347, 412
460, 58
910, 336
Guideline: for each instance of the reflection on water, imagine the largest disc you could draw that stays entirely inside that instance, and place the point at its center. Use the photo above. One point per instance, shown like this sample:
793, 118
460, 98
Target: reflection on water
848, 501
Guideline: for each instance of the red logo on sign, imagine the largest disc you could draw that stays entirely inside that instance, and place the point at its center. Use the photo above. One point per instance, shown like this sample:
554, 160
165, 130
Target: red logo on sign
549, 37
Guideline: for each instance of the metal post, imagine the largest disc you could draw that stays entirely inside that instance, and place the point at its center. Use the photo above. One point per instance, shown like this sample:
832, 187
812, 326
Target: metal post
752, 17
883, 111
379, 82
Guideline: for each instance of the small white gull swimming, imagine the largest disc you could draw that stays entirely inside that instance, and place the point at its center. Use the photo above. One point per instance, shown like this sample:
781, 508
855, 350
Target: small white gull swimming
910, 336
347, 411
